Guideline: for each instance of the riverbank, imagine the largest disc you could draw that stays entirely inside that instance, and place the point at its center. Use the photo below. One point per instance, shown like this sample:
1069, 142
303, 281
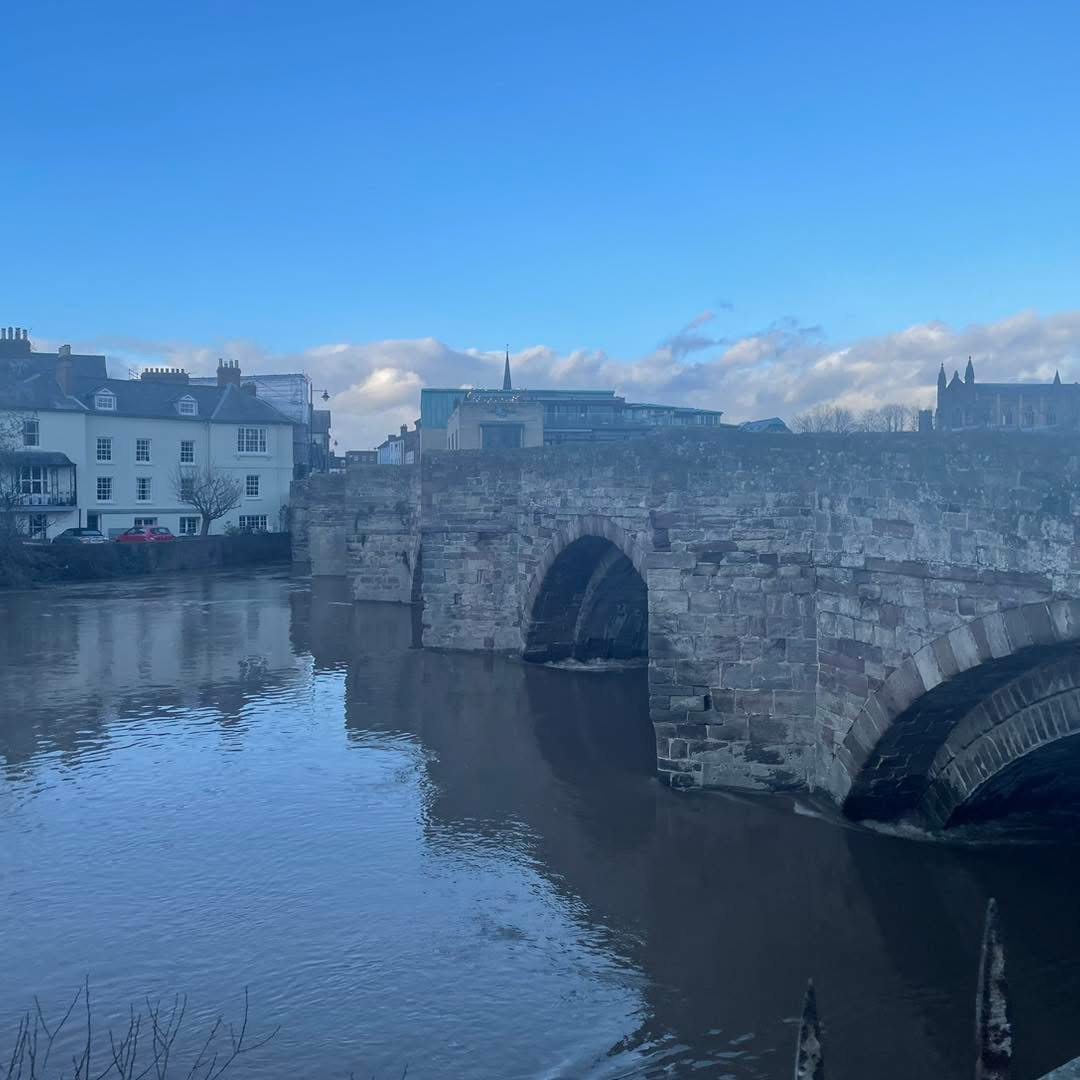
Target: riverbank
48, 563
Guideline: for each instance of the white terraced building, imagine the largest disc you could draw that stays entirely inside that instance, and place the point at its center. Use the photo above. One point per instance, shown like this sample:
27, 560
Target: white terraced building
106, 453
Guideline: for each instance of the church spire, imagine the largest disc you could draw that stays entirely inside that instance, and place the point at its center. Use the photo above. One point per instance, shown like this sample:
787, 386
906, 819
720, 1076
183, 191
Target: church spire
507, 384
1057, 378
941, 377
969, 373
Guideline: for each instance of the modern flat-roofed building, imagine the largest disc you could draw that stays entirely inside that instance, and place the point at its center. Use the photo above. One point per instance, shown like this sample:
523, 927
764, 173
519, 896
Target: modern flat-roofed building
564, 416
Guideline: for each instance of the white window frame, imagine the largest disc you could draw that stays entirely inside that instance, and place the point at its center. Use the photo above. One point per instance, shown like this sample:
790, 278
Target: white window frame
144, 483
185, 481
246, 436
187, 406
246, 523
144, 523
104, 442
31, 431
251, 491
183, 443
33, 480
107, 481
105, 401
38, 526
195, 521
149, 459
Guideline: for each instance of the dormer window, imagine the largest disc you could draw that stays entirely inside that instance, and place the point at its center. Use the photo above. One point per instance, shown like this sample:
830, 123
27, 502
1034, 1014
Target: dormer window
105, 401
187, 406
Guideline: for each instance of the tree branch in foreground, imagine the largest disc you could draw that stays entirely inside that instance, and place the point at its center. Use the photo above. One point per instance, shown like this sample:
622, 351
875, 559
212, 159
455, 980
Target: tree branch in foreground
127, 1057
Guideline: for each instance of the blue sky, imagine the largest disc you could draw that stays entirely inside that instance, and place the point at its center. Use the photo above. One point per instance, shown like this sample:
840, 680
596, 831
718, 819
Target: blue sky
572, 176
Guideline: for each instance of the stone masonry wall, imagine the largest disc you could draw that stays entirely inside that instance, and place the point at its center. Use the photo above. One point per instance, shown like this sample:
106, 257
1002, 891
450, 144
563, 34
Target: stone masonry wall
469, 547
384, 538
918, 536
788, 577
361, 524
726, 558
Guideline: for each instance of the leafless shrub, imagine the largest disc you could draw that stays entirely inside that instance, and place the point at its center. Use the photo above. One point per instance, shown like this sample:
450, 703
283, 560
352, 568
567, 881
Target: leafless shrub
891, 417
824, 418
144, 1048
839, 420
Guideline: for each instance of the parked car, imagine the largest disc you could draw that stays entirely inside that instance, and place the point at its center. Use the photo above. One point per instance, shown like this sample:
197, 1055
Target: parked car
80, 536
145, 534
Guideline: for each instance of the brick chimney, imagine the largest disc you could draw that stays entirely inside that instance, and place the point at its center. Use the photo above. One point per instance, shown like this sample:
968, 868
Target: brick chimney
249, 388
64, 368
228, 373
14, 341
404, 430
164, 374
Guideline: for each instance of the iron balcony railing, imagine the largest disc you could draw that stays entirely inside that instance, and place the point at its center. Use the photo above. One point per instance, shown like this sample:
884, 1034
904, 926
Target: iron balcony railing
46, 498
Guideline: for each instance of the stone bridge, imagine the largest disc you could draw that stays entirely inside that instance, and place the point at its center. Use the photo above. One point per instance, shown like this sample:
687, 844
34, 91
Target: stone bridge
894, 619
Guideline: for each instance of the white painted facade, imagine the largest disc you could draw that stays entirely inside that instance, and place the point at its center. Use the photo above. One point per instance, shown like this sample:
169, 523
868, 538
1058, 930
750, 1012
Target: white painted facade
125, 468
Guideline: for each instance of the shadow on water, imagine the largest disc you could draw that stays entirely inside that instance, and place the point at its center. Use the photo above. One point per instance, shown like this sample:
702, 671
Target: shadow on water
709, 911
728, 904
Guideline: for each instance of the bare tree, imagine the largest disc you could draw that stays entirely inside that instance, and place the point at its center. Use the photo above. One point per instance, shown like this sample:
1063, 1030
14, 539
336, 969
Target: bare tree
122, 1055
890, 417
211, 492
11, 439
19, 563
824, 418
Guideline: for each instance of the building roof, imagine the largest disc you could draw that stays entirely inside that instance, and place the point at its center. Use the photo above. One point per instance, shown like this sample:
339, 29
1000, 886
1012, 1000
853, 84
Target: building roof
773, 423
437, 402
158, 398
40, 457
288, 392
1019, 387
35, 363
16, 349
37, 392
40, 391
672, 408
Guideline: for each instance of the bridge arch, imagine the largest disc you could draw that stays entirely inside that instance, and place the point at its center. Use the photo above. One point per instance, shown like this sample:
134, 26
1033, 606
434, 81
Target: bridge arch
587, 597
978, 716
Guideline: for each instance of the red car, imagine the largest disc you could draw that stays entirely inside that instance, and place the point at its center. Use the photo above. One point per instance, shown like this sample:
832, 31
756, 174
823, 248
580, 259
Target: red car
145, 534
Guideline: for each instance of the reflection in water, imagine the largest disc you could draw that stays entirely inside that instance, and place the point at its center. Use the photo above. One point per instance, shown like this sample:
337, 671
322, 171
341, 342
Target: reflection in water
458, 862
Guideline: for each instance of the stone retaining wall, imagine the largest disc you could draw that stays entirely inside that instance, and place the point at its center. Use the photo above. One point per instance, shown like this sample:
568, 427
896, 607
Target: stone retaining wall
89, 562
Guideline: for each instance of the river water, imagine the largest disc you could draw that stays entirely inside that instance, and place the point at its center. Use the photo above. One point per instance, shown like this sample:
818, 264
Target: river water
459, 864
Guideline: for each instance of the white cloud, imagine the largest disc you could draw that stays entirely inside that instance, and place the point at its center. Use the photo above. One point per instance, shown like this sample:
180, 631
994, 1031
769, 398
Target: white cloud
782, 369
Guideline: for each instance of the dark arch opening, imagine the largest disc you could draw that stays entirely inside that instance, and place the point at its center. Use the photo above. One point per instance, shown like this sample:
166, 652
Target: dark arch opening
592, 605
967, 717
1044, 782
